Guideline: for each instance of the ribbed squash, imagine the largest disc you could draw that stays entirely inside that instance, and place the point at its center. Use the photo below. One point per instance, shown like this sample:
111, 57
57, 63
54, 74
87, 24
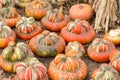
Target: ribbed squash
31, 69
113, 35
12, 54
55, 20
27, 28
105, 72
78, 30
75, 46
67, 68
38, 8
47, 44
10, 16
115, 60
6, 35
100, 49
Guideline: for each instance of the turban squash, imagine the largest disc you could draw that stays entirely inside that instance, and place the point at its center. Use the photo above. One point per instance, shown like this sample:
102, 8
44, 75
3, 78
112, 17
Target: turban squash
6, 35
47, 44
65, 67
38, 8
10, 16
100, 49
13, 54
27, 28
78, 30
105, 72
55, 20
31, 69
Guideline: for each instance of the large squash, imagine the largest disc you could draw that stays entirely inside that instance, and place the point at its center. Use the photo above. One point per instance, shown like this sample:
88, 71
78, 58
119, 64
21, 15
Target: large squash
67, 68
47, 44
10, 16
31, 69
27, 28
38, 8
100, 49
6, 35
12, 54
105, 72
55, 20
78, 30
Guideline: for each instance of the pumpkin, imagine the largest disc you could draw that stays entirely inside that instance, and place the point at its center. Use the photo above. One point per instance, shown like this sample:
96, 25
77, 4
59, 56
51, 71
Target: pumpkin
115, 60
81, 11
67, 68
38, 8
75, 46
22, 3
27, 28
55, 20
105, 72
31, 69
78, 30
12, 54
10, 16
47, 44
113, 35
6, 35
100, 49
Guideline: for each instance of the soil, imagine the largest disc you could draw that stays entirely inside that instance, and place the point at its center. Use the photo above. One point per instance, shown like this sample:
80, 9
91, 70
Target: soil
90, 63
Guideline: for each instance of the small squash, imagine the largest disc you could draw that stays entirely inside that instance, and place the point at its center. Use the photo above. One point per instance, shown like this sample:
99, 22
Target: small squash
27, 28
67, 68
47, 44
78, 30
22, 3
115, 60
81, 11
55, 20
113, 35
100, 49
105, 72
6, 35
12, 54
10, 16
75, 46
38, 8
31, 69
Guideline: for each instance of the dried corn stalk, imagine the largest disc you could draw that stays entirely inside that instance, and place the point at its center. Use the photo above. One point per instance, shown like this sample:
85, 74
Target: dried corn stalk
106, 11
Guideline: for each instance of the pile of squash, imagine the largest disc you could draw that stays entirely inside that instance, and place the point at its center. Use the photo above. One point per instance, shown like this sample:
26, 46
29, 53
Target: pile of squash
51, 33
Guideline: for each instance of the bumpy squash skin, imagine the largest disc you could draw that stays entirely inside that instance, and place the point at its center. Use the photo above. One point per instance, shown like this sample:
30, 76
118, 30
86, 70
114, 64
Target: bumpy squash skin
46, 50
67, 68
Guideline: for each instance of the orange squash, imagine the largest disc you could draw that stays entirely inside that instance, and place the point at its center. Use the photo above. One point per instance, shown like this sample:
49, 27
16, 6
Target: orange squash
6, 35
10, 16
115, 60
38, 8
27, 28
13, 54
55, 20
81, 11
67, 68
47, 44
100, 49
31, 69
78, 30
113, 35
105, 72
